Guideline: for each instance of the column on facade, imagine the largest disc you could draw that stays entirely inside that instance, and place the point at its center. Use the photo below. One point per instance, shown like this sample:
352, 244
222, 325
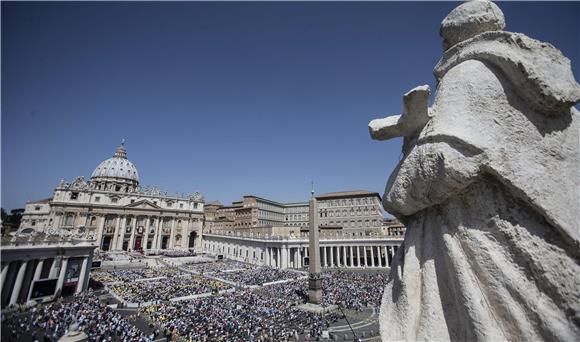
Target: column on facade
100, 230
158, 231
114, 243
60, 281
380, 256
36, 276
122, 229
278, 257
358, 256
145, 233
82, 276
373, 256
323, 257
133, 232
172, 234
18, 283
386, 256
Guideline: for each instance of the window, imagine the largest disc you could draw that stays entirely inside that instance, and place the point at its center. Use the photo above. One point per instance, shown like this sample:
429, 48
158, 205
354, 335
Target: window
74, 195
68, 220
194, 205
117, 188
132, 201
97, 199
181, 205
37, 208
33, 223
114, 200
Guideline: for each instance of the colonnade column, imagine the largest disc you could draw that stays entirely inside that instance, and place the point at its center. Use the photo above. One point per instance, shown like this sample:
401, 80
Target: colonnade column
18, 283
365, 255
5, 267
332, 264
380, 257
351, 264
81, 282
372, 256
279, 257
324, 256
358, 256
284, 257
36, 276
60, 281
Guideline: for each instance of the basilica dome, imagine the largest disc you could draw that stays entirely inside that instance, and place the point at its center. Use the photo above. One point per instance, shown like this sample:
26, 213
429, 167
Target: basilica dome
118, 168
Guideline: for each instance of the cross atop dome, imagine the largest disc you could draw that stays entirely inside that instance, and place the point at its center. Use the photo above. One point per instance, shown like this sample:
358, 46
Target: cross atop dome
121, 151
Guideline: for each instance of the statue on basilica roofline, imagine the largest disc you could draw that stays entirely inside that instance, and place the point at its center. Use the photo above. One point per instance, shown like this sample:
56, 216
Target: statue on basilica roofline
488, 189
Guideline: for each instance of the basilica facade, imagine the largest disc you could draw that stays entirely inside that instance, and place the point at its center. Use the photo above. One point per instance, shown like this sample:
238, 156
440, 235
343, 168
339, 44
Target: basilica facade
113, 208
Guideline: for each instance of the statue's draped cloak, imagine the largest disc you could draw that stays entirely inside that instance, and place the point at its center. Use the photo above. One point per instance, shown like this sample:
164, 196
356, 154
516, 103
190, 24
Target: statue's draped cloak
489, 194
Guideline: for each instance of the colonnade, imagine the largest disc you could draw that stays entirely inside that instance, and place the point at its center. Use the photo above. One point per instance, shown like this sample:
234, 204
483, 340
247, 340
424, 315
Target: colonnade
346, 254
70, 273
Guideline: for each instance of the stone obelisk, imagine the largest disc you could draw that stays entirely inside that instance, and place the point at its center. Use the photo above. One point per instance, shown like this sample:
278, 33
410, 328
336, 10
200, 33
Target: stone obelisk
314, 279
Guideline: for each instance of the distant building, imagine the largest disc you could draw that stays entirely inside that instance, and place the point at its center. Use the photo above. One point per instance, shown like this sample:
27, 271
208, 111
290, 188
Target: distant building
356, 211
353, 211
118, 212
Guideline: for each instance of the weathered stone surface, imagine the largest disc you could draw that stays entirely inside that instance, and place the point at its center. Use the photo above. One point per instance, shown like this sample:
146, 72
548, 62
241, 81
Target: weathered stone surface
489, 191
415, 116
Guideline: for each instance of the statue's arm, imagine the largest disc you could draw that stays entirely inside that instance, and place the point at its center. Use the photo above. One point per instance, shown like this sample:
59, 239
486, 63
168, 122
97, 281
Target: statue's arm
447, 155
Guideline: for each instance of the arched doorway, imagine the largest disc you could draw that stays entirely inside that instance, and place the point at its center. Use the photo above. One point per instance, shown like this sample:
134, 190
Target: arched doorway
192, 237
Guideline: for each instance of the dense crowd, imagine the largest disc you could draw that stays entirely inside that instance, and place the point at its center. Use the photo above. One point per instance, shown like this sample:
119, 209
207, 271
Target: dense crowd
176, 253
129, 275
258, 276
98, 321
352, 290
218, 266
239, 316
165, 289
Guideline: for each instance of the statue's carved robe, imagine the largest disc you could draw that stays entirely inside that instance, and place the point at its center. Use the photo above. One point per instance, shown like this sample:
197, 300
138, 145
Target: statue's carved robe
489, 194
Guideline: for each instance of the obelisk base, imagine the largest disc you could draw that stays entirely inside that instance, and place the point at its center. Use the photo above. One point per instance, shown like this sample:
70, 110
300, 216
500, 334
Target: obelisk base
317, 308
314, 288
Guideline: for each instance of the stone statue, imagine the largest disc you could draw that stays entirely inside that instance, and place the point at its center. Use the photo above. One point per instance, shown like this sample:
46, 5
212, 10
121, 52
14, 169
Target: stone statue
489, 191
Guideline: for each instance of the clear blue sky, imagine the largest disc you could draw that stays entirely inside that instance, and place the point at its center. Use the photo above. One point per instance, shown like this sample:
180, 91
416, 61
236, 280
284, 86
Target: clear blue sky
225, 98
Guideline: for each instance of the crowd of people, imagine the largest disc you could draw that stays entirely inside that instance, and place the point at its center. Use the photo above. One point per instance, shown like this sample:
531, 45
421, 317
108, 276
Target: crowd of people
238, 316
84, 310
174, 253
267, 313
166, 289
218, 266
129, 275
352, 290
258, 276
